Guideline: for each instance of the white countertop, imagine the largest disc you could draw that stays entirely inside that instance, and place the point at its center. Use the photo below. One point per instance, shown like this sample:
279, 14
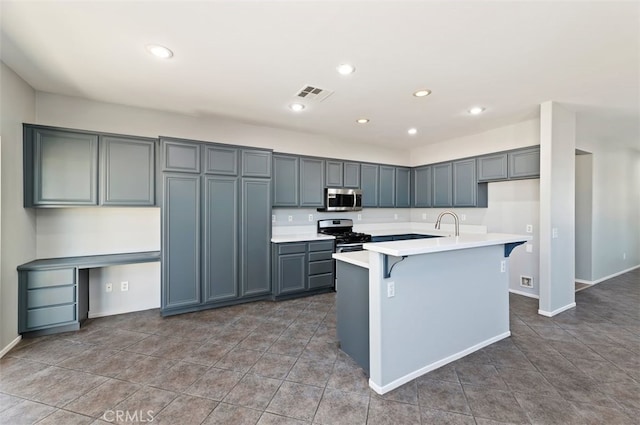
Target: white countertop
357, 258
300, 237
426, 246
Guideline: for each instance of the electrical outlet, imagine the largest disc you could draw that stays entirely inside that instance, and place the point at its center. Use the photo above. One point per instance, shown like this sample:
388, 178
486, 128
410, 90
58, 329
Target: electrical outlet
290, 218
526, 281
529, 247
424, 216
624, 255
391, 289
554, 233
529, 228
273, 218
463, 217
108, 287
310, 217
124, 286
359, 217
503, 266
395, 216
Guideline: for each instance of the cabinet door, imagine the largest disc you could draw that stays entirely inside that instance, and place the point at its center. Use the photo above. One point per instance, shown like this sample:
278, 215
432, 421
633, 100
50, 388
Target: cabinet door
492, 167
311, 182
256, 237
220, 242
465, 184
256, 163
524, 163
442, 182
127, 172
352, 175
291, 273
221, 160
403, 188
285, 181
180, 240
334, 173
63, 168
180, 156
369, 176
387, 188
422, 187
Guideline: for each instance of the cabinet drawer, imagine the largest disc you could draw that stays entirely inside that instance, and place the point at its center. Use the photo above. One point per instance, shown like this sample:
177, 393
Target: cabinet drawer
320, 267
321, 281
291, 248
321, 246
51, 316
51, 296
42, 279
320, 255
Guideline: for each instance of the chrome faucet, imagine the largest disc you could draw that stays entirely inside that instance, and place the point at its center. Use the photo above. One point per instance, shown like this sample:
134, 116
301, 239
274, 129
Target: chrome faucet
455, 218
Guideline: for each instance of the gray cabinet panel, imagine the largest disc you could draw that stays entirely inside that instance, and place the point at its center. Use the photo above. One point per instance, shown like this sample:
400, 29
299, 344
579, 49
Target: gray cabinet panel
320, 267
492, 167
321, 281
465, 184
403, 188
221, 160
387, 188
442, 182
181, 240
256, 237
182, 156
50, 316
422, 187
291, 273
369, 176
65, 167
285, 181
524, 163
326, 245
351, 175
220, 249
127, 172
291, 248
334, 173
311, 182
320, 255
256, 163
51, 296
47, 278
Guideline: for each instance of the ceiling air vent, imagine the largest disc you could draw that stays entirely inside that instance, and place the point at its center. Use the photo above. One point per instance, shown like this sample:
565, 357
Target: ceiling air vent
313, 94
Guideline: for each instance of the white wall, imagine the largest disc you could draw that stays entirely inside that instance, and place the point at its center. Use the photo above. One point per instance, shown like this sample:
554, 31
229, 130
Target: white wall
18, 235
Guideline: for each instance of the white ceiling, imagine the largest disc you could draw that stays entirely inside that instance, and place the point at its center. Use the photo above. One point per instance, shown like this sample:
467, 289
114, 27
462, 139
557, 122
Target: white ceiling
247, 59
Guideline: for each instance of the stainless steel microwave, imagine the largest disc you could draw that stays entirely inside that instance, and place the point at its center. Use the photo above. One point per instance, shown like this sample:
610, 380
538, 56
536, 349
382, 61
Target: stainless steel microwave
339, 199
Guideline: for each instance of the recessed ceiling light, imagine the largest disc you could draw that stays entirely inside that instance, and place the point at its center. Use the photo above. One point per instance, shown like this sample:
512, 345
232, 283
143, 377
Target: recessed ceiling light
476, 110
346, 69
362, 120
422, 93
412, 131
159, 51
296, 107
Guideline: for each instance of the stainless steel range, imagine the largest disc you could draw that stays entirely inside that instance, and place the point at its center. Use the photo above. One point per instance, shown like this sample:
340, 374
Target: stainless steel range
346, 239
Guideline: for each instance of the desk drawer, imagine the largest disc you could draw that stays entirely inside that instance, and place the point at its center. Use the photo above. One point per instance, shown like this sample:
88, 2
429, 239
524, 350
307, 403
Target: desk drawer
51, 296
51, 316
321, 281
320, 267
45, 278
320, 255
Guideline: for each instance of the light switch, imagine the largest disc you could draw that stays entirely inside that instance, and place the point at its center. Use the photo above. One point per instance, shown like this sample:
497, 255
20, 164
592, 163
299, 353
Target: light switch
529, 228
554, 233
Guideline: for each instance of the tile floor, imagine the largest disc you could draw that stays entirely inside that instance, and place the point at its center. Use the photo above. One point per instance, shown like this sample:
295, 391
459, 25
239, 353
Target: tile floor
278, 363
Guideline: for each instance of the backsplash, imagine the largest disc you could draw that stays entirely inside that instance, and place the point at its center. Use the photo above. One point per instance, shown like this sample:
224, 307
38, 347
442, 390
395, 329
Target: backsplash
310, 216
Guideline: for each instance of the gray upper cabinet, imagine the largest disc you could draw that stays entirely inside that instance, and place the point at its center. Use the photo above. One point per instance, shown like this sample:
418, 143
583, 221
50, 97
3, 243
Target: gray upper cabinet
311, 182
524, 163
442, 185
220, 238
492, 167
256, 237
387, 187
403, 188
351, 175
464, 183
369, 176
256, 163
127, 171
221, 160
60, 167
180, 155
422, 187
334, 177
286, 180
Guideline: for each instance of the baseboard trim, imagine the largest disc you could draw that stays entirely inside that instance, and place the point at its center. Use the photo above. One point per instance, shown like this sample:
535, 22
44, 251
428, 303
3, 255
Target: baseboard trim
12, 344
382, 389
525, 294
611, 276
557, 311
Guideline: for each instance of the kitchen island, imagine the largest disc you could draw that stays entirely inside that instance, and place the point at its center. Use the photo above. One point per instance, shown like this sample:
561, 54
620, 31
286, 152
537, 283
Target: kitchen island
428, 302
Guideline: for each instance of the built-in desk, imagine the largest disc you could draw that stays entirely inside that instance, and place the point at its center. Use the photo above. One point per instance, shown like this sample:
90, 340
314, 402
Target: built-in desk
53, 293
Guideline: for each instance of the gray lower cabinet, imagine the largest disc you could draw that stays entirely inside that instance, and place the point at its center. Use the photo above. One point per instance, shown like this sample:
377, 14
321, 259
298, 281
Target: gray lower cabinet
255, 237
369, 176
387, 186
301, 268
334, 173
403, 188
312, 182
442, 182
492, 167
286, 180
524, 163
351, 175
422, 187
